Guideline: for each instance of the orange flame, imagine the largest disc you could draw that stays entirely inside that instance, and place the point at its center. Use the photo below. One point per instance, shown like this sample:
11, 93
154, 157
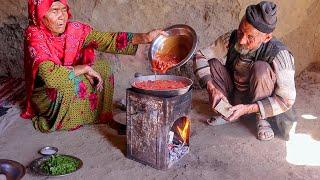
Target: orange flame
184, 133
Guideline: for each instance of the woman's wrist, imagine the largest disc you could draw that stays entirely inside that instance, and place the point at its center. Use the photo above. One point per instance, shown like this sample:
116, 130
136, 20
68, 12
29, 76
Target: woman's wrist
141, 38
81, 69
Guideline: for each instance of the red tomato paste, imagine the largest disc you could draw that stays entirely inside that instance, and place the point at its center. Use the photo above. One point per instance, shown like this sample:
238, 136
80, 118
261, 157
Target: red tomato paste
160, 84
163, 62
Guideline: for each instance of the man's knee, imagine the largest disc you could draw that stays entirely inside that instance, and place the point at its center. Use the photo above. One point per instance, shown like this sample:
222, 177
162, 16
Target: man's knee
215, 62
261, 70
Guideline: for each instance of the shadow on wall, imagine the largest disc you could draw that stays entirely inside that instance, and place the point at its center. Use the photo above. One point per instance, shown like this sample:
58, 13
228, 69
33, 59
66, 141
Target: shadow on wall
11, 47
304, 41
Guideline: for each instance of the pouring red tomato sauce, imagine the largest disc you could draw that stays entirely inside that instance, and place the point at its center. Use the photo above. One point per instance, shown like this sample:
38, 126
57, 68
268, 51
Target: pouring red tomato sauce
163, 62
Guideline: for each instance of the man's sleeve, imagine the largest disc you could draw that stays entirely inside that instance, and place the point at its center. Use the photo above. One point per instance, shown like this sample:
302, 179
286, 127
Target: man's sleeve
284, 95
217, 50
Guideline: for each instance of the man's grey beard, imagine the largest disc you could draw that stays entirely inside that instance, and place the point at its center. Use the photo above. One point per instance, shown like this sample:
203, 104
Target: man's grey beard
241, 49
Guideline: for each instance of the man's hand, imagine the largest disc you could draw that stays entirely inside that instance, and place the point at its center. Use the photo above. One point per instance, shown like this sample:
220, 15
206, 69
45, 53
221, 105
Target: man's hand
214, 95
199, 55
242, 109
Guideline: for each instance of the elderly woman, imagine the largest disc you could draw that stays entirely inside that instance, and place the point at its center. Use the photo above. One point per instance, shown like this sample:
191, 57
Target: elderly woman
66, 88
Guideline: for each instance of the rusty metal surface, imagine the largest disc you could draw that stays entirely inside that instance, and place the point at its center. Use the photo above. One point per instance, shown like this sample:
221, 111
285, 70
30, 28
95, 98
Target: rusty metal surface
144, 114
149, 120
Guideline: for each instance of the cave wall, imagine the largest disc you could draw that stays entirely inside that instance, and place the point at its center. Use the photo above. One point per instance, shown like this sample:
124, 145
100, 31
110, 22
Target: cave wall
298, 27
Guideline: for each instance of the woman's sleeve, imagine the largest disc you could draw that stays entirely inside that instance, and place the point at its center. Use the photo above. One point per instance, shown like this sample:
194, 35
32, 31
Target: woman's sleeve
111, 42
56, 76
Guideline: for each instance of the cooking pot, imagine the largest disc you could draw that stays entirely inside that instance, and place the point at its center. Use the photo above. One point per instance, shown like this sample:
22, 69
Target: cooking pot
165, 92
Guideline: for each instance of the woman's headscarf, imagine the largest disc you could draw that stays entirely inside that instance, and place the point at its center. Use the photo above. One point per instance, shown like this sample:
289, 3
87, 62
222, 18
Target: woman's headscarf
41, 45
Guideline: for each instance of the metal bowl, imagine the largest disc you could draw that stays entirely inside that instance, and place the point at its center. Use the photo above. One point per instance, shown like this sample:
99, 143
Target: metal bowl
162, 93
35, 165
12, 169
181, 41
48, 150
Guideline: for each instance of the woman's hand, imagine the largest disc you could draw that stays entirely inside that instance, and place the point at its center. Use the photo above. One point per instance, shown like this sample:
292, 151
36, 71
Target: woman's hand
94, 79
80, 69
91, 79
146, 38
154, 33
93, 76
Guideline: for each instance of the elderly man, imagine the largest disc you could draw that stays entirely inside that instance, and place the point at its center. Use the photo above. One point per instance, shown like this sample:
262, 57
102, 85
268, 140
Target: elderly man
251, 69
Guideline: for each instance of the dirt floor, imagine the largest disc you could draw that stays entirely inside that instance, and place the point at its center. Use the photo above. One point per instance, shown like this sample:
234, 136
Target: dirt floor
223, 152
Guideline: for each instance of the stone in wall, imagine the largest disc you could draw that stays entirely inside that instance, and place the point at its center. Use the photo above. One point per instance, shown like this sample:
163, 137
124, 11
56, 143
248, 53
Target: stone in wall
11, 51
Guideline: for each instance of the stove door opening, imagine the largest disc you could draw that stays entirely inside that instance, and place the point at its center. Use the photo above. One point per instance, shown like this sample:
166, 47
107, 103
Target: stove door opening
178, 139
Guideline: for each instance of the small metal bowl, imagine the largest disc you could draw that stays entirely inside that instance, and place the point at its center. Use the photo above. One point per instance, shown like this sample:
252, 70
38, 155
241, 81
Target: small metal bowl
48, 150
181, 41
12, 169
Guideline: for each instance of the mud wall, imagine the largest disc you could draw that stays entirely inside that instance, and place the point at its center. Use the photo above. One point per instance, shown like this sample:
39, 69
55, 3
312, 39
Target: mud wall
298, 27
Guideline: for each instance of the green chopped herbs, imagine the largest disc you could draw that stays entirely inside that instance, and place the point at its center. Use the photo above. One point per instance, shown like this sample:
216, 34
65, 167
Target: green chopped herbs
59, 165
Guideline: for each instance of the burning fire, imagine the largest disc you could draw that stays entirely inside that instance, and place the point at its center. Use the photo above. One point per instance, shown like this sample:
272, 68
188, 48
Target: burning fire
184, 132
